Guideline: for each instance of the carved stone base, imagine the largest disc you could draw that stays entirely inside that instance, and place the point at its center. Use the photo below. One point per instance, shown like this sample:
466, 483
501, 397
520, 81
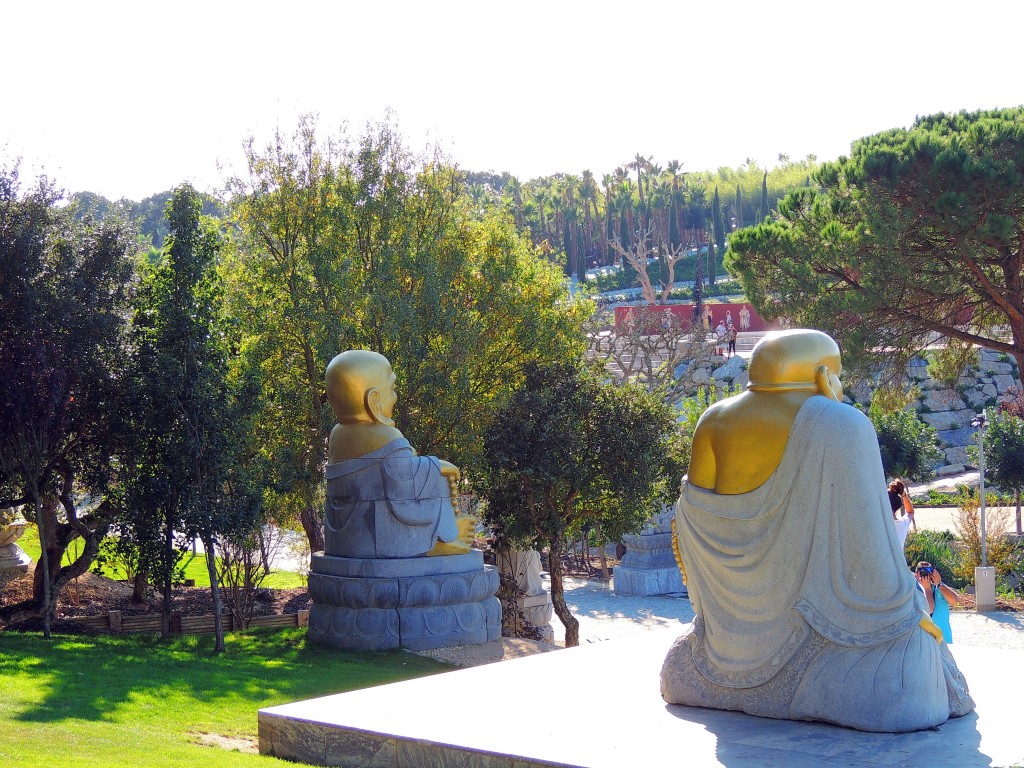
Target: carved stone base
648, 567
645, 582
533, 606
416, 603
13, 559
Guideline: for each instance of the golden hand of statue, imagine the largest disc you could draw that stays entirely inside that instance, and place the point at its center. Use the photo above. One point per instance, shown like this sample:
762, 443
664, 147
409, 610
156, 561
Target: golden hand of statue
454, 477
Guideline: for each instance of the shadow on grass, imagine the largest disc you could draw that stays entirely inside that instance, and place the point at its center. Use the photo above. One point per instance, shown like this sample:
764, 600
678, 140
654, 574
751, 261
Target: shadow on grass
91, 677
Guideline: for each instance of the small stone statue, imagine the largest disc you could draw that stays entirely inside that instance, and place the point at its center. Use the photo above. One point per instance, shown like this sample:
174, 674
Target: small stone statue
805, 608
383, 501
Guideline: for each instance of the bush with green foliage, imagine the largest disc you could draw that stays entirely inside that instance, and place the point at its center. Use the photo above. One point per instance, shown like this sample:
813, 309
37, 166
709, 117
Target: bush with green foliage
1003, 552
948, 364
940, 548
909, 447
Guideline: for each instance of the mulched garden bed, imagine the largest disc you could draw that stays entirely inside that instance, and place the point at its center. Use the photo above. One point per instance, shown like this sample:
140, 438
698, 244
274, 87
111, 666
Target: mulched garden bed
94, 595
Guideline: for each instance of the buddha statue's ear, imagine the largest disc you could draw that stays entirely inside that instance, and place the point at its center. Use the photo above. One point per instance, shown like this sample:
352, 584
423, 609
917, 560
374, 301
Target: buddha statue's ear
373, 408
373, 405
823, 383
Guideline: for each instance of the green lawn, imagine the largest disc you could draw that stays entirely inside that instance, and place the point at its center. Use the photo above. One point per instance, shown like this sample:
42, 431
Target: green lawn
139, 701
195, 566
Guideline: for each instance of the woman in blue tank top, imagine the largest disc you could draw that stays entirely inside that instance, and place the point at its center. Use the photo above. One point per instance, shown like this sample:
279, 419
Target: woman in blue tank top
938, 595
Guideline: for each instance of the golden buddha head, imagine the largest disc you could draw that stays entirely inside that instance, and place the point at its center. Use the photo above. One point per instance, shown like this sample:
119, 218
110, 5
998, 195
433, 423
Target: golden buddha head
361, 388
798, 359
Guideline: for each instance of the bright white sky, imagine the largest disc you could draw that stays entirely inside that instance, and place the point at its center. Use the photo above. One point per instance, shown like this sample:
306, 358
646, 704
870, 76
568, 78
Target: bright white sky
131, 98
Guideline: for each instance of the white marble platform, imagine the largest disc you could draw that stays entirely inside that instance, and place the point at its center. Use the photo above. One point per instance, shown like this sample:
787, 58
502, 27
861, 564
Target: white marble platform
599, 707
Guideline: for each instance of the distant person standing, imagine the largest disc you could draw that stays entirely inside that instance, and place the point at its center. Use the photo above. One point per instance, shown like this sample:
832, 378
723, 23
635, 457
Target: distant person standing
902, 510
728, 318
730, 336
719, 337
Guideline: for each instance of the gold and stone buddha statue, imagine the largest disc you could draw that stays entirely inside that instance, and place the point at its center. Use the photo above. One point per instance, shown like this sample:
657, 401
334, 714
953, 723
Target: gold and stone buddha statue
383, 500
805, 607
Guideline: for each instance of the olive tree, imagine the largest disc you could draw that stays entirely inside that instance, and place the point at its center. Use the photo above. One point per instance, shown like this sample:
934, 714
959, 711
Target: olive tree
569, 448
65, 291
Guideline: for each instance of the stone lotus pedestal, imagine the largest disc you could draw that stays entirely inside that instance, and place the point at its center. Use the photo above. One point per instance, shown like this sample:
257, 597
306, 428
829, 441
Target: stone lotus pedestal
13, 559
649, 566
416, 603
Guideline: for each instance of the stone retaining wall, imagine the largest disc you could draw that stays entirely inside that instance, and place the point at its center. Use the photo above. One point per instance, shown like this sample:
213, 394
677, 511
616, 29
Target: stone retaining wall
948, 410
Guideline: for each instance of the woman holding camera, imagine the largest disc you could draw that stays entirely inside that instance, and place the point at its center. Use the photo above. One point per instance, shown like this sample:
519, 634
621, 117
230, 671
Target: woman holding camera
902, 510
938, 595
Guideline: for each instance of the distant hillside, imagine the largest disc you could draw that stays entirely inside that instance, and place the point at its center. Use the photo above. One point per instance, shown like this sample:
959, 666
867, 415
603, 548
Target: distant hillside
148, 215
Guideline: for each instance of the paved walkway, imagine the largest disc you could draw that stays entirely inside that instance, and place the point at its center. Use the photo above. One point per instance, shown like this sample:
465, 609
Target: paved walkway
603, 615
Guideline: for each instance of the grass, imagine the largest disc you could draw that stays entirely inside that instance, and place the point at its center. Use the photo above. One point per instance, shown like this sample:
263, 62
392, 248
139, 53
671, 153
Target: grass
194, 565
92, 702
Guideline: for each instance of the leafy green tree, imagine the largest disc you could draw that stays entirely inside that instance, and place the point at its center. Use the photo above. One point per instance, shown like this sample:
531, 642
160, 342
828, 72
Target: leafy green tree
371, 247
568, 449
1004, 455
182, 469
909, 447
918, 232
65, 288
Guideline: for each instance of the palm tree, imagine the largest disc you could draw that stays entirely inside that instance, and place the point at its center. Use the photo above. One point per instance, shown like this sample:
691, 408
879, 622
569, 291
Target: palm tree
640, 163
607, 180
588, 195
675, 206
515, 192
540, 198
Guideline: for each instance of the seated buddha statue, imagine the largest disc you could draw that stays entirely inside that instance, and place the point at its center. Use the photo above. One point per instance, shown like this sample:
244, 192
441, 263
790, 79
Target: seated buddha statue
805, 607
383, 500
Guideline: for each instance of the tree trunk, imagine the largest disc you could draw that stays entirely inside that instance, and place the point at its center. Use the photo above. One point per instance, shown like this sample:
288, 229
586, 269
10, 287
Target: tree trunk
41, 584
166, 578
313, 525
265, 551
139, 588
604, 554
571, 624
1018, 514
211, 569
61, 575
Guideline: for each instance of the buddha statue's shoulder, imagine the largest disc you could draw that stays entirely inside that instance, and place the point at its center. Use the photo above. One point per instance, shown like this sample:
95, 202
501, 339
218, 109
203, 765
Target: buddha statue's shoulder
351, 441
739, 441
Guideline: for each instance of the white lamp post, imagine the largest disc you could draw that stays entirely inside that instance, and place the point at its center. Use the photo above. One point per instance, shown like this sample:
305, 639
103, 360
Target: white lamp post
984, 577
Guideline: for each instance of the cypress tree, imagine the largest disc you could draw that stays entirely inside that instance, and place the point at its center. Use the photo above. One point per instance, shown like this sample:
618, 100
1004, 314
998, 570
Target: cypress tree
712, 262
739, 208
627, 241
567, 244
609, 229
718, 221
763, 212
581, 255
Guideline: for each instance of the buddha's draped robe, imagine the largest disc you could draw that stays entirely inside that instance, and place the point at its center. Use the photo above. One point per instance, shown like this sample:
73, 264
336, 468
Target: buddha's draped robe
388, 503
805, 606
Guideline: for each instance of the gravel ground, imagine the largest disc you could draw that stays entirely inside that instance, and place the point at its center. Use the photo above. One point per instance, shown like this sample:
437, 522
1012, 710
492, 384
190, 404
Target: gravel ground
603, 615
